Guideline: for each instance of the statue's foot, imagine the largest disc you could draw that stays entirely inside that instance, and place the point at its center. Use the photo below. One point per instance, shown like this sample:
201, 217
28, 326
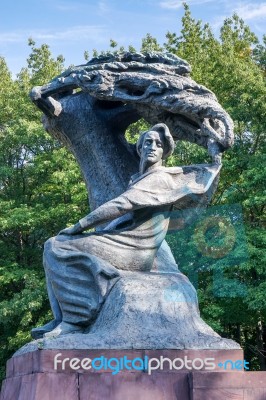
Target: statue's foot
37, 333
64, 328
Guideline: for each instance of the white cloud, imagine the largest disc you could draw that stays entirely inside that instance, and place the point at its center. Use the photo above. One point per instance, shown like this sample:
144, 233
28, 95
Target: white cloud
66, 7
75, 33
11, 37
103, 7
251, 11
171, 4
175, 4
247, 11
260, 28
96, 33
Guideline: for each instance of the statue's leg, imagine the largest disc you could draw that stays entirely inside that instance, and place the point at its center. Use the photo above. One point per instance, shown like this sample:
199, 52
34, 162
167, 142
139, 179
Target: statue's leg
38, 332
55, 307
78, 283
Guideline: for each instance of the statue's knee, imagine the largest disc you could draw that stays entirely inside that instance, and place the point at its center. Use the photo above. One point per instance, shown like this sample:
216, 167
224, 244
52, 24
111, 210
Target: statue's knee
48, 244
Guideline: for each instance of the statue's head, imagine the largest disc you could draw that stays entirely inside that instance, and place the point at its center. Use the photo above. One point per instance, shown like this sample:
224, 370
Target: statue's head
156, 144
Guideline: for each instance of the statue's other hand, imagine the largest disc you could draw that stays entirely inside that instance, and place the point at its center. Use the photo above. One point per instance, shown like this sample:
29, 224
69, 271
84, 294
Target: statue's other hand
72, 230
67, 231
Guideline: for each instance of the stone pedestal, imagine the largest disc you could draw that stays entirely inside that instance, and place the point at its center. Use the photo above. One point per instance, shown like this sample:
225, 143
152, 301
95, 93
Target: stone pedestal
37, 376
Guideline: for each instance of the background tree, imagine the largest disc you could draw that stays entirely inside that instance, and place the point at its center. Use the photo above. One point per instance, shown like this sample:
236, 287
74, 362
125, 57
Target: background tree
41, 191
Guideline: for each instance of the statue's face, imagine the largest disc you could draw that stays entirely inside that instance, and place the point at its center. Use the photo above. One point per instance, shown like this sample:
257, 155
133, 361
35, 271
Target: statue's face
152, 147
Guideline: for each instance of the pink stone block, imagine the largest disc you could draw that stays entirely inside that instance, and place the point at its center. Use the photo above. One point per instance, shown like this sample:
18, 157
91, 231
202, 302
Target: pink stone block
231, 380
32, 377
255, 394
218, 394
41, 387
140, 386
227, 386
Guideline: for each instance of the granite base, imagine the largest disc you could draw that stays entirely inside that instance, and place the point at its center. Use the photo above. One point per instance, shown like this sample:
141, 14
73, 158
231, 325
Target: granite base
37, 376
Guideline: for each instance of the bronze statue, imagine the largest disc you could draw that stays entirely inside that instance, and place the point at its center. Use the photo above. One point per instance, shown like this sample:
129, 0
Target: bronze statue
82, 268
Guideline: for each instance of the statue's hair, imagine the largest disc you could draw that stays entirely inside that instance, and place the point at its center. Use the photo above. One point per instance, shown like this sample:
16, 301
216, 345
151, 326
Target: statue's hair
169, 143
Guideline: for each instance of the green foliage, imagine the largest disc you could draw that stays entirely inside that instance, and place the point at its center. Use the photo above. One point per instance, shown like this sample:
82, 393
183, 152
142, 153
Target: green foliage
133, 131
150, 44
41, 65
86, 55
41, 191
113, 43
259, 54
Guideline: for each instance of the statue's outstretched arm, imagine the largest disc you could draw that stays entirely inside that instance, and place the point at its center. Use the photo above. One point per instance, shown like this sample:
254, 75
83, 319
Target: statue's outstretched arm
108, 211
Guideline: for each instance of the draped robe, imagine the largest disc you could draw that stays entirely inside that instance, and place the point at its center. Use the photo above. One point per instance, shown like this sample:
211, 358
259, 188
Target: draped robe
81, 269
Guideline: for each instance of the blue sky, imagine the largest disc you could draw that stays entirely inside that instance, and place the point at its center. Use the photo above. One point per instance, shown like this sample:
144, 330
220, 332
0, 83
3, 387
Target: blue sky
70, 27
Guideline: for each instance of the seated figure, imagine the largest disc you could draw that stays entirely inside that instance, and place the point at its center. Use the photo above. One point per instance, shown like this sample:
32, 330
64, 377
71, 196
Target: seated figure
81, 268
